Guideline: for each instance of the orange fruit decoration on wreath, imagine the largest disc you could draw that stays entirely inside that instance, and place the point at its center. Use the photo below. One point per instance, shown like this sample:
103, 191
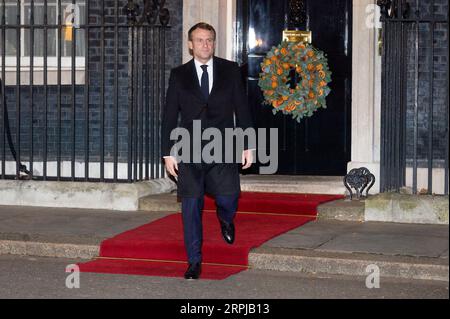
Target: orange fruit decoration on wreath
285, 92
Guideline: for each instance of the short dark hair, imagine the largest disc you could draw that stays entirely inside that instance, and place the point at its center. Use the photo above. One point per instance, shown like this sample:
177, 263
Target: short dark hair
201, 25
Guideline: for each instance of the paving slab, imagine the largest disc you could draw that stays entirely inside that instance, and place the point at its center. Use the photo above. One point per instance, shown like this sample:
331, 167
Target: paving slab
298, 241
371, 237
333, 227
67, 225
387, 244
311, 235
403, 229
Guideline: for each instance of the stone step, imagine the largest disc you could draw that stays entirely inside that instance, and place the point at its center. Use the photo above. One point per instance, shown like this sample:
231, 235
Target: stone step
276, 259
170, 202
293, 260
258, 183
342, 209
113, 196
160, 203
332, 185
411, 209
389, 207
49, 249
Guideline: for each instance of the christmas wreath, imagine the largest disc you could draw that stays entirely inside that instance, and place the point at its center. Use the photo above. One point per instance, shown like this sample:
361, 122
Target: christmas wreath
294, 79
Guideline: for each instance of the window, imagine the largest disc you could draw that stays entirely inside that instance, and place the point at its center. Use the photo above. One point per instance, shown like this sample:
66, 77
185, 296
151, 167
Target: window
67, 12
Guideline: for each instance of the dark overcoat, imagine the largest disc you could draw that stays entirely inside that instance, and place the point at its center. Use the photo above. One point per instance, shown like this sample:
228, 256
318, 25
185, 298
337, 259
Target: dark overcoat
185, 103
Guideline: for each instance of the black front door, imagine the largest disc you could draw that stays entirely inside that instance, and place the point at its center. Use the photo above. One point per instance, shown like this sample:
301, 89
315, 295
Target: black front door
319, 145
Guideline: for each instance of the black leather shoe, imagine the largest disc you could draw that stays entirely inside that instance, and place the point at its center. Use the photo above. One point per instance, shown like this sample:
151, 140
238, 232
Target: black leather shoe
193, 271
227, 231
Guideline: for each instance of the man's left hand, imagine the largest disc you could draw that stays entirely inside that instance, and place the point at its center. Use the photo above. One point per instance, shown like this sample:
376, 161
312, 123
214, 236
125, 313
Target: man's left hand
247, 159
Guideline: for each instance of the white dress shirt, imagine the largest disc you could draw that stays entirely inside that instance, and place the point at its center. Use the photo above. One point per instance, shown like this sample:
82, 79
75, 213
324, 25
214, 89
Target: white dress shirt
210, 69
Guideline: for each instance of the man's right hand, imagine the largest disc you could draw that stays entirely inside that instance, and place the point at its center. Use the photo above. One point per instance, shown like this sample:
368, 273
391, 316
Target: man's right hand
171, 165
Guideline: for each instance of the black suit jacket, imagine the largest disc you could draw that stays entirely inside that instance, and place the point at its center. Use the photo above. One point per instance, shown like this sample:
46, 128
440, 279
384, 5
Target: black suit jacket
185, 99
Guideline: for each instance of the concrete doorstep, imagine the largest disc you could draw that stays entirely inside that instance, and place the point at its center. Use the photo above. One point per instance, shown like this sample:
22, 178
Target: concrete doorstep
389, 207
113, 196
293, 184
404, 208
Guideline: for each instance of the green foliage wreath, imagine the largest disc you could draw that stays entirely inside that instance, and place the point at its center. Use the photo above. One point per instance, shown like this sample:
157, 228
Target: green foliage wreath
294, 79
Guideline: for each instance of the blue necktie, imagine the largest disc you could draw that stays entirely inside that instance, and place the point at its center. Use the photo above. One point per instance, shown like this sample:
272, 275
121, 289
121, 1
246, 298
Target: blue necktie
205, 82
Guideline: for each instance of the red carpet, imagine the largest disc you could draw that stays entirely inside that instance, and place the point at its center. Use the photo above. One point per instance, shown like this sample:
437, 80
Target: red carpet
157, 248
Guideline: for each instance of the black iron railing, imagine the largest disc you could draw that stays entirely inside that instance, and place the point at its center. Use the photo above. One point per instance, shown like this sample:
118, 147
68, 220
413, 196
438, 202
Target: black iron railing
414, 115
83, 86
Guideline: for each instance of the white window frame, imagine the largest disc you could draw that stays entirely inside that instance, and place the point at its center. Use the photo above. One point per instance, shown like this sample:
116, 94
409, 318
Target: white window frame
38, 61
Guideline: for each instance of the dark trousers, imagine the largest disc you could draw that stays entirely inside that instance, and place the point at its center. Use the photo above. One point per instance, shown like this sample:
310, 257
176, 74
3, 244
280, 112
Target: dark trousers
191, 209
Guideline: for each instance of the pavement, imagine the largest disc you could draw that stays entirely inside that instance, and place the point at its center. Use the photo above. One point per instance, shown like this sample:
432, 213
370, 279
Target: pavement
331, 247
45, 278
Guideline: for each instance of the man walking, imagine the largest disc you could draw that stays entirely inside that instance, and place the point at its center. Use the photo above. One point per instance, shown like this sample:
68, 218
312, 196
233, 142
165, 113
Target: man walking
209, 89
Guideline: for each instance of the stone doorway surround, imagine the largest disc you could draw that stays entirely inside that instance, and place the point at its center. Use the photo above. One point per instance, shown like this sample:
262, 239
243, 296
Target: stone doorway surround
366, 90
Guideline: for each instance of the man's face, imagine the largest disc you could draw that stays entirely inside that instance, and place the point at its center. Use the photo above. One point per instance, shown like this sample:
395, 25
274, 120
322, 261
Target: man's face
202, 44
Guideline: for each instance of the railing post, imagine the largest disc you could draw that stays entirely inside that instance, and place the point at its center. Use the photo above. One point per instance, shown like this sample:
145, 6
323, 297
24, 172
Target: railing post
400, 24
46, 120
